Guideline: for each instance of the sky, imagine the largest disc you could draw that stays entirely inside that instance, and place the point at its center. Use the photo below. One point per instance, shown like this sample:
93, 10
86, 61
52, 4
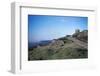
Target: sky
47, 27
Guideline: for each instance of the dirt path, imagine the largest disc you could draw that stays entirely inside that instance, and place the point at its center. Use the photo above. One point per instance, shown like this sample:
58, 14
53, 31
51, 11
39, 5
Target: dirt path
78, 42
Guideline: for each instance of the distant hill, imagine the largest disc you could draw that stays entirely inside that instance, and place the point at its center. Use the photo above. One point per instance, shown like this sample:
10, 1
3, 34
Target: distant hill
36, 44
68, 47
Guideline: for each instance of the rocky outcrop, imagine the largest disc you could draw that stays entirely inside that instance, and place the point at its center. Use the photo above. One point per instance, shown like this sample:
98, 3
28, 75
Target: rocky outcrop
57, 43
83, 35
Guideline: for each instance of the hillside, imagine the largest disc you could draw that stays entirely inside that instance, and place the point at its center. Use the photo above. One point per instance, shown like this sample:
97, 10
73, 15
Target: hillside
68, 47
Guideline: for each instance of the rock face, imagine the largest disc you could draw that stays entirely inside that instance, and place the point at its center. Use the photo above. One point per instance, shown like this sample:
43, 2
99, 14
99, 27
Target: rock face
57, 43
68, 47
83, 35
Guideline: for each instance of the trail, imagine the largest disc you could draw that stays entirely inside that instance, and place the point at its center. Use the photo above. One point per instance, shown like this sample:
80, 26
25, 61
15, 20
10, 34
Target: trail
78, 42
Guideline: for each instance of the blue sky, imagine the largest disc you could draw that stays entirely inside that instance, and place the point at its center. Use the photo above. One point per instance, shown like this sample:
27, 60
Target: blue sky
43, 27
